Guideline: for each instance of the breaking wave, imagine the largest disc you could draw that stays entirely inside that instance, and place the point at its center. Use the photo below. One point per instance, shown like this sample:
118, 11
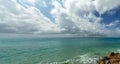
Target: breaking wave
88, 58
82, 59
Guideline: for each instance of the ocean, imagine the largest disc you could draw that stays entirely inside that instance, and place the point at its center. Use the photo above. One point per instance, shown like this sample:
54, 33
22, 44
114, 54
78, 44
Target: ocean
76, 50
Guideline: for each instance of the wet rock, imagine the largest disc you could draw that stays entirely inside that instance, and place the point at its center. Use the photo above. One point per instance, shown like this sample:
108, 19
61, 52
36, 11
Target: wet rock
111, 58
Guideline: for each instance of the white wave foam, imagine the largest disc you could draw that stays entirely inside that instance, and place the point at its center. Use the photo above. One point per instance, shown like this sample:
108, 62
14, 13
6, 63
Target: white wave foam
118, 50
87, 59
82, 59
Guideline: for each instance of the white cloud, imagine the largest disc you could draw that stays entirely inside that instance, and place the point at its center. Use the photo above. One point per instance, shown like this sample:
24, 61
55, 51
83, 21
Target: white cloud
111, 12
77, 16
103, 6
114, 23
32, 1
71, 17
27, 2
43, 4
15, 18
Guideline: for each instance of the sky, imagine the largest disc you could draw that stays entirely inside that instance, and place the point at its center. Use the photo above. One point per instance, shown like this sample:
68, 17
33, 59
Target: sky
71, 17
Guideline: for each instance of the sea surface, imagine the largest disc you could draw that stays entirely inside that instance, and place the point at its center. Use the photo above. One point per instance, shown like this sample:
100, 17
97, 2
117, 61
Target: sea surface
56, 50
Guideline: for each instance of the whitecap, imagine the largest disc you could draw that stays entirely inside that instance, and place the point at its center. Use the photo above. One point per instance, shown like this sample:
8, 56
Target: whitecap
82, 59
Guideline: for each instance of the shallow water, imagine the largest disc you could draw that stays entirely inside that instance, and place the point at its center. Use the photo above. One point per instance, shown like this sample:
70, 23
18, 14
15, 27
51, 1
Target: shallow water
55, 50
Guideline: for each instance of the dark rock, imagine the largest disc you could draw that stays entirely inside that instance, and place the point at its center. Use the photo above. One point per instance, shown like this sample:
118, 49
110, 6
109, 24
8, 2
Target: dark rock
111, 58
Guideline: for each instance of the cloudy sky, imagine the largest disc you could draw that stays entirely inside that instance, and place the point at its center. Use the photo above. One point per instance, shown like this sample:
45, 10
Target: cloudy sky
79, 17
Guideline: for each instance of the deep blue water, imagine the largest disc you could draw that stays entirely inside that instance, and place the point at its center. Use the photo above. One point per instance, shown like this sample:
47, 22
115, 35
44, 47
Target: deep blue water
55, 50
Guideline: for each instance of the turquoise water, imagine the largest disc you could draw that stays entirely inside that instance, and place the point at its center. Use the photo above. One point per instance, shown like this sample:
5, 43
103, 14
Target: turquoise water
55, 50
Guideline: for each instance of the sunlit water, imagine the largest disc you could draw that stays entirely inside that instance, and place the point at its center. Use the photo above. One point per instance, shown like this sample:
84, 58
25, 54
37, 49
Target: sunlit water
55, 50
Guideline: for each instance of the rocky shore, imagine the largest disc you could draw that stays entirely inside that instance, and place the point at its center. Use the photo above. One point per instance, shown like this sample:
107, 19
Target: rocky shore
111, 58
